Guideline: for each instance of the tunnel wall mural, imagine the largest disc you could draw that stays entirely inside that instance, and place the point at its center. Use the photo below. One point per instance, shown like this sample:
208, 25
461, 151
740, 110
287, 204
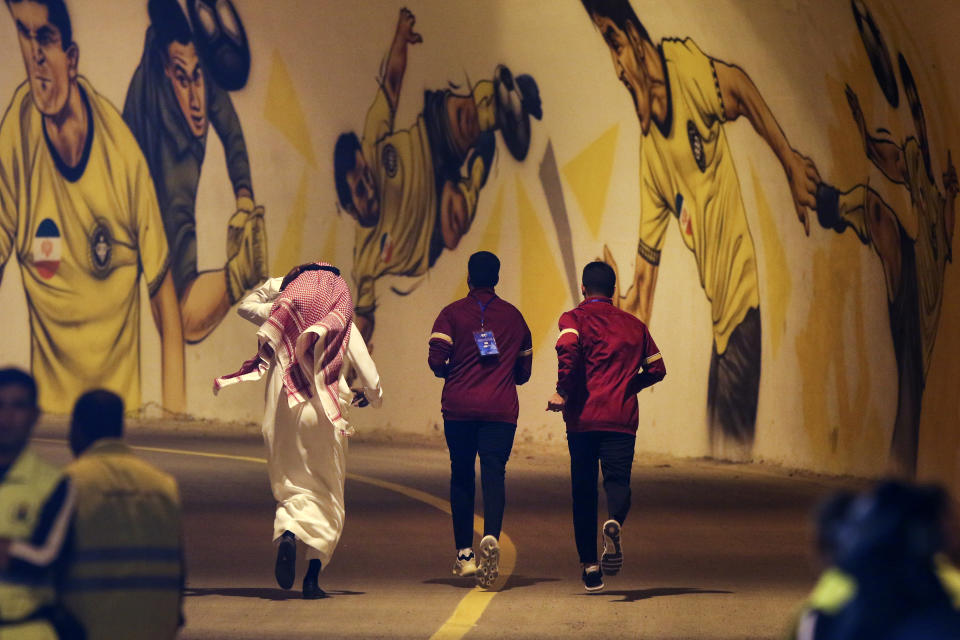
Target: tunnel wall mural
773, 183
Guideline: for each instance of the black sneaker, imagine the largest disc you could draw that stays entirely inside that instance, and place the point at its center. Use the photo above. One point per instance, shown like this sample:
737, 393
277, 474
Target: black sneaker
312, 590
592, 578
286, 567
612, 559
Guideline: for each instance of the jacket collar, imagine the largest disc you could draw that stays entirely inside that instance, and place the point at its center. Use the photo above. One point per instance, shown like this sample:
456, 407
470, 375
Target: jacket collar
590, 299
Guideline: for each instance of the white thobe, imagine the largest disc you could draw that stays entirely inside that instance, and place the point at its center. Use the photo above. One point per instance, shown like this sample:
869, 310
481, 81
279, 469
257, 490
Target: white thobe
306, 454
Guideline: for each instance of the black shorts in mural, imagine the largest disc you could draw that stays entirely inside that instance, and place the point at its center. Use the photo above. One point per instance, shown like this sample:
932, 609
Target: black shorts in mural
443, 151
734, 382
904, 312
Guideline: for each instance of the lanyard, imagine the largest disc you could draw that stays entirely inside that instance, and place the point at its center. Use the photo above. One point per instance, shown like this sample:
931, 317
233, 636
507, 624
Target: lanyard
483, 307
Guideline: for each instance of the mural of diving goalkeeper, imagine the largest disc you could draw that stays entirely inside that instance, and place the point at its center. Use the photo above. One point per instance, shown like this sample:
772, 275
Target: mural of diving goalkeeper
914, 247
407, 189
171, 101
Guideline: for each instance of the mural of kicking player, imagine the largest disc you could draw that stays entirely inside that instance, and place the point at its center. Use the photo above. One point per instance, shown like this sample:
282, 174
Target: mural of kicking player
406, 188
683, 99
78, 209
913, 246
171, 101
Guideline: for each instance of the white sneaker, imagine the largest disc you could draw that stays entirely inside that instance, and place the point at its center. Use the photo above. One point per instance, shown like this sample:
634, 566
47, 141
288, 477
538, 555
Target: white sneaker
466, 564
488, 567
612, 559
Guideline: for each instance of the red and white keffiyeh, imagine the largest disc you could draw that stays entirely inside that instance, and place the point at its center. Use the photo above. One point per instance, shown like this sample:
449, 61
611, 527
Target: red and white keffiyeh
315, 308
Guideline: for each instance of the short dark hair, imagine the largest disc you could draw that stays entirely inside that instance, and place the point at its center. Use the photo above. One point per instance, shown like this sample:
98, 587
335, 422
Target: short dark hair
57, 15
344, 161
483, 268
13, 377
97, 414
619, 12
169, 24
599, 277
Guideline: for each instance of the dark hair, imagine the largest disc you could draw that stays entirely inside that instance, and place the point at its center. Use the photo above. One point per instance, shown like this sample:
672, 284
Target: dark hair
619, 12
483, 268
599, 277
97, 414
829, 516
169, 24
344, 161
294, 273
58, 16
12, 376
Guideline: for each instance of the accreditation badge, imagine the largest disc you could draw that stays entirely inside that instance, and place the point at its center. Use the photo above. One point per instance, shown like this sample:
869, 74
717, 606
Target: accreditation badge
486, 343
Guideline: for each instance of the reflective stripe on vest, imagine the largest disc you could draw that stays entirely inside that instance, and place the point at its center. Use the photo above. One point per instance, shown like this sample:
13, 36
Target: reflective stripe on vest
125, 573
23, 492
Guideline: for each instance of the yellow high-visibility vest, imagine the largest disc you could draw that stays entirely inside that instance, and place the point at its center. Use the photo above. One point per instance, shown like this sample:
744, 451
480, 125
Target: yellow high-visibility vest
29, 483
125, 573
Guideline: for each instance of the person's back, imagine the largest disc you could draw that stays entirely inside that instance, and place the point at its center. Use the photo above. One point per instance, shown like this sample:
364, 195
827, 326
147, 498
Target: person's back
482, 348
615, 347
478, 387
124, 573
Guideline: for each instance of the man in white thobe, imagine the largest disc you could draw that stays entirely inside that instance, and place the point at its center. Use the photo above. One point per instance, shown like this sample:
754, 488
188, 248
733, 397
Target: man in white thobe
306, 439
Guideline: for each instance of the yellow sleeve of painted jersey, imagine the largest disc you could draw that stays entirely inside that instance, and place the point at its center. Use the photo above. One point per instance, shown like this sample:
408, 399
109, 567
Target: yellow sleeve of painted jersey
151, 237
11, 169
654, 210
696, 79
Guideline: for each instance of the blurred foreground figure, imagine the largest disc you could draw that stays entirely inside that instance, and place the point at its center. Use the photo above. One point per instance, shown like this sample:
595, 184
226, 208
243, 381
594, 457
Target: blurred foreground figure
124, 570
309, 348
889, 576
36, 501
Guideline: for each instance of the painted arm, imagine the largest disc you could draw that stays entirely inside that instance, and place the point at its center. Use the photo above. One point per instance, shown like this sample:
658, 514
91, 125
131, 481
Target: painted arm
742, 98
886, 155
166, 315
639, 297
397, 58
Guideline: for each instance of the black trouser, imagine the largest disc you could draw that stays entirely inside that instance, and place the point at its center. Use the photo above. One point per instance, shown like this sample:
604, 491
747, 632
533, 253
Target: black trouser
614, 452
492, 441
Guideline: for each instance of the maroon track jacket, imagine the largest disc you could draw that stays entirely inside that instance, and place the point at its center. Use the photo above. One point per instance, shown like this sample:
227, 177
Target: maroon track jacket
475, 387
605, 358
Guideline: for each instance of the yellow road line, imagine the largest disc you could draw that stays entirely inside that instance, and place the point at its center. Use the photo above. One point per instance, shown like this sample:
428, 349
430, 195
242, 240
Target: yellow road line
471, 607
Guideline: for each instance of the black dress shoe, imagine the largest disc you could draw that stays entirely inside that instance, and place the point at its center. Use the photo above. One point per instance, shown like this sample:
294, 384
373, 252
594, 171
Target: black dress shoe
286, 567
312, 590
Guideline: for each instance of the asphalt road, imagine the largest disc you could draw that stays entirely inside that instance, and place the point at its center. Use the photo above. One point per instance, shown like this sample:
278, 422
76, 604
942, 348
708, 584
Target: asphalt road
711, 550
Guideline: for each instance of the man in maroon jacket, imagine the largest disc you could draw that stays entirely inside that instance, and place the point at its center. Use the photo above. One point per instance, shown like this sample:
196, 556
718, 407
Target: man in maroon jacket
606, 356
481, 347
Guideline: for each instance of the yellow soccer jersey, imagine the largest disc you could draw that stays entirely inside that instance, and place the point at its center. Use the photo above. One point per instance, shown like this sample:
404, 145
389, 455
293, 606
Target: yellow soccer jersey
931, 244
82, 237
687, 172
399, 244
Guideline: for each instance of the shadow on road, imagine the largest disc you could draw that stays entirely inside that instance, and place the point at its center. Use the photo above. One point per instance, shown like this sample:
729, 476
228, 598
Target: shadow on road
634, 595
263, 593
468, 583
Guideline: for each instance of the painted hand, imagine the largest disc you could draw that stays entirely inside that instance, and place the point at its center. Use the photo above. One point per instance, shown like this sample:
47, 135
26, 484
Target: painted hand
405, 27
630, 302
950, 183
556, 402
803, 177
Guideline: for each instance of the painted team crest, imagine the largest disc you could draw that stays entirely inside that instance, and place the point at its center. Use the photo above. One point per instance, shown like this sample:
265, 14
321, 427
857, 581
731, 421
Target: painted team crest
386, 248
683, 215
390, 160
101, 249
46, 248
696, 145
